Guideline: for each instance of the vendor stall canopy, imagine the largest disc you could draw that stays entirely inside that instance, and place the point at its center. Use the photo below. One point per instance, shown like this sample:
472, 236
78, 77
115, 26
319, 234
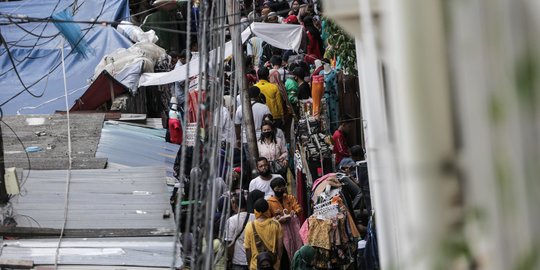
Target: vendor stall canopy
35, 51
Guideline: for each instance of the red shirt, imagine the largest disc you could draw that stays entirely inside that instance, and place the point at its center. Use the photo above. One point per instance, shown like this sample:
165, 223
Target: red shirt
314, 47
340, 146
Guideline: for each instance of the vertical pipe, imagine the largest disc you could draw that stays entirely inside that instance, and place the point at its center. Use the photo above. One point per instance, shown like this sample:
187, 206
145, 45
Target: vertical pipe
4, 198
383, 176
420, 93
233, 10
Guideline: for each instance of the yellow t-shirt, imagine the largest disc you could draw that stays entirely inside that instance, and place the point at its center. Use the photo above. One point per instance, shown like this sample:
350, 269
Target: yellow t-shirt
270, 233
273, 98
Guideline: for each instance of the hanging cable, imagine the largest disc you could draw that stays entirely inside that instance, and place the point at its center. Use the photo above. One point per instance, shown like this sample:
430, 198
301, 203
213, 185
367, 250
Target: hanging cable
37, 40
57, 65
68, 175
23, 147
183, 152
115, 23
3, 41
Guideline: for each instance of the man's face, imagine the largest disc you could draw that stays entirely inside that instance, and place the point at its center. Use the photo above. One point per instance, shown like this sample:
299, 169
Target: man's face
262, 167
182, 60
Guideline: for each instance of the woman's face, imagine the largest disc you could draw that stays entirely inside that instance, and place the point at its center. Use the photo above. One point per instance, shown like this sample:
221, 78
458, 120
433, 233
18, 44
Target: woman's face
266, 128
295, 5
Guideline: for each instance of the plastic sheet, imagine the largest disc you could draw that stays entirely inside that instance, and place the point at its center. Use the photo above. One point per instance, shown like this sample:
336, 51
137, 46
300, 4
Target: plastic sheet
38, 60
281, 36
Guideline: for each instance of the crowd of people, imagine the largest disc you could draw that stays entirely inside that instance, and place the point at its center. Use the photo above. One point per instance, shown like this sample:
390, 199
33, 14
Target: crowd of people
322, 221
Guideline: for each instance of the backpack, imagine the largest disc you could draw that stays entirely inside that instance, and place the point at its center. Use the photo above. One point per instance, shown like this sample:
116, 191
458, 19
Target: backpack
261, 247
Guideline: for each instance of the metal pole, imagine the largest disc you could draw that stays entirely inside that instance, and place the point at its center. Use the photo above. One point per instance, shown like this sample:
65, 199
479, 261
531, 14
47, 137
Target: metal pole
233, 9
4, 198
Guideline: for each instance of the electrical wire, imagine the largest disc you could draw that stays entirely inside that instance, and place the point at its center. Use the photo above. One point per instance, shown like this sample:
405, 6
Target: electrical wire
47, 21
23, 146
30, 32
3, 41
183, 152
51, 100
26, 19
196, 212
68, 175
37, 40
29, 218
54, 69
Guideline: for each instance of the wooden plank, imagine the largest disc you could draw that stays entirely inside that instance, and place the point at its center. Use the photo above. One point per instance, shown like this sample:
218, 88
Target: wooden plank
26, 232
16, 264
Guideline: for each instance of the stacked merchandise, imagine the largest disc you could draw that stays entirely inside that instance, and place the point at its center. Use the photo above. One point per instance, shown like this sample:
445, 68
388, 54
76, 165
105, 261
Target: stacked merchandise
314, 153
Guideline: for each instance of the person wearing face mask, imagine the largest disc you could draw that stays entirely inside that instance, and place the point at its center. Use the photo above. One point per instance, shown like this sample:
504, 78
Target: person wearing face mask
262, 182
273, 149
278, 131
282, 205
284, 208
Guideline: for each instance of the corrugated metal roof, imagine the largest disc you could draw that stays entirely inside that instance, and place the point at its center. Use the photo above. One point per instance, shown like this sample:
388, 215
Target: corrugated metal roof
133, 145
124, 198
120, 251
51, 137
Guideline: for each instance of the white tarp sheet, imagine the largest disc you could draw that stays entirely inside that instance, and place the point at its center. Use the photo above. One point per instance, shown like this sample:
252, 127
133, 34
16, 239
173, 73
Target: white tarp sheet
283, 36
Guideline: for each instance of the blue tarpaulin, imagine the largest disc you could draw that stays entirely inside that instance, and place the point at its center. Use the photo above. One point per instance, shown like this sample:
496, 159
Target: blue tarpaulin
35, 47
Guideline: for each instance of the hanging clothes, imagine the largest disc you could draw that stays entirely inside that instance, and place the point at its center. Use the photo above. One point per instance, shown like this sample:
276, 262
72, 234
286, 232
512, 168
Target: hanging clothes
301, 193
319, 233
194, 107
332, 232
317, 71
317, 92
349, 103
331, 96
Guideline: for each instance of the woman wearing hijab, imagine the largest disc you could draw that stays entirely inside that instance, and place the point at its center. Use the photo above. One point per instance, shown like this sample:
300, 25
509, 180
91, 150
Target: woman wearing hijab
303, 258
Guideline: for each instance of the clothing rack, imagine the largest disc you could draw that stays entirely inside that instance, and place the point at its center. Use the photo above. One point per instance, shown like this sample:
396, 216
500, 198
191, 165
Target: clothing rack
325, 210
